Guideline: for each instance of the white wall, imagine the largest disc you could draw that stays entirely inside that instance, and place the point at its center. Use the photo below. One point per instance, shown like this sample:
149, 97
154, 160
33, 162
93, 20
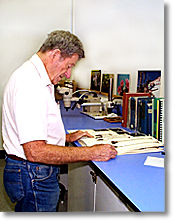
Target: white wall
118, 35
24, 25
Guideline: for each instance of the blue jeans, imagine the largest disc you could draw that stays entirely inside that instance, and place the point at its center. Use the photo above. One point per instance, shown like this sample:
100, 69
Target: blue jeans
33, 186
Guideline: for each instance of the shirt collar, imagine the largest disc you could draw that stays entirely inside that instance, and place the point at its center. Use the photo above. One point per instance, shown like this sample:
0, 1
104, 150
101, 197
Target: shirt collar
37, 62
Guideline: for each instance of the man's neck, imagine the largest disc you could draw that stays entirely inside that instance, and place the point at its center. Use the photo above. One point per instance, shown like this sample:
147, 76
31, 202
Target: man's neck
44, 59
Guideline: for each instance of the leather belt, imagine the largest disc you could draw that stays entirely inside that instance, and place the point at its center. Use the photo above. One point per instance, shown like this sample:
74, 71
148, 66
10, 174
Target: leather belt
13, 157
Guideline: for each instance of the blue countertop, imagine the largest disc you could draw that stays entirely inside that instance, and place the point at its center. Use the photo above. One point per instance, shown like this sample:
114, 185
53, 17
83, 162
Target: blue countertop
143, 185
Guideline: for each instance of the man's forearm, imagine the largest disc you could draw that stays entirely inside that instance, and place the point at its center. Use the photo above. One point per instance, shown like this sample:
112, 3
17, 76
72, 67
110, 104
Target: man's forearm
39, 151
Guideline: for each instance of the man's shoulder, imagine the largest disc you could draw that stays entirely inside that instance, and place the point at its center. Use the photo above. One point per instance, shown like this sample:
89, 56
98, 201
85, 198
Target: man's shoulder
26, 72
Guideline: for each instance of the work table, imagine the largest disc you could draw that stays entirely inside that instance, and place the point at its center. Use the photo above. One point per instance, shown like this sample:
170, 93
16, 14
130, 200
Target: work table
143, 186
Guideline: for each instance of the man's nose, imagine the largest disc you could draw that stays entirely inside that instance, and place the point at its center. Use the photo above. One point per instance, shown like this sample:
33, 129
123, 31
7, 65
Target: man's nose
68, 73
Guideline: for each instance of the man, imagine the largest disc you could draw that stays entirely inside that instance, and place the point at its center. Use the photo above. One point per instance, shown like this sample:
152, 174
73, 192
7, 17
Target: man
33, 132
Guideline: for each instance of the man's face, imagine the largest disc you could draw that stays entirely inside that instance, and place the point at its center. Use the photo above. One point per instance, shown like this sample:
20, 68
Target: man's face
61, 67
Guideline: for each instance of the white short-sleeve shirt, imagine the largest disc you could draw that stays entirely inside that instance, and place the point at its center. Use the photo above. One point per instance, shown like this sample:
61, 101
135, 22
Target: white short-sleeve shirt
29, 109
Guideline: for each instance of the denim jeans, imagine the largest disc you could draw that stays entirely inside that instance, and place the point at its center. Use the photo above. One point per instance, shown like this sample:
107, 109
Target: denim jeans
33, 186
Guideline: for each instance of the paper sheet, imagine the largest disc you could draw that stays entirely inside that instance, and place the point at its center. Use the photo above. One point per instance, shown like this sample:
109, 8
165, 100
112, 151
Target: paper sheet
154, 161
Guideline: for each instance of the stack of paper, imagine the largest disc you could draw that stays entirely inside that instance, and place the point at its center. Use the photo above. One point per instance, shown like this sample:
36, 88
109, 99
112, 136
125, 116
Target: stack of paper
124, 143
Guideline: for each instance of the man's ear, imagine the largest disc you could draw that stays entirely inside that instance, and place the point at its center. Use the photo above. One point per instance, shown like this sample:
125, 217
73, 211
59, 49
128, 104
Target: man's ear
55, 53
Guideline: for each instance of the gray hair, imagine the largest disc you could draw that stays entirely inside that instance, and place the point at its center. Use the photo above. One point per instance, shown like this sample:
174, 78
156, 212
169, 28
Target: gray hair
65, 41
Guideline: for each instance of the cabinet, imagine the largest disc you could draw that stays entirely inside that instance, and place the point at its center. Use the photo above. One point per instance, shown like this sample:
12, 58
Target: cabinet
80, 187
86, 195
107, 199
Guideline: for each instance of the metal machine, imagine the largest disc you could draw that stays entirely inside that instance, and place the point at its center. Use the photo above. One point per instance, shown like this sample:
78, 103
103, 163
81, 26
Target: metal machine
92, 104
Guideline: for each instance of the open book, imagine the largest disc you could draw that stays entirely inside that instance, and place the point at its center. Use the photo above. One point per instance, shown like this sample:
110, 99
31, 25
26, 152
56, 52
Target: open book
124, 142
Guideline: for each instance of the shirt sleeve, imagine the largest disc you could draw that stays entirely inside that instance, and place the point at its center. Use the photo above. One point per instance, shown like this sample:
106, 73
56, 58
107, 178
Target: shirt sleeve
31, 114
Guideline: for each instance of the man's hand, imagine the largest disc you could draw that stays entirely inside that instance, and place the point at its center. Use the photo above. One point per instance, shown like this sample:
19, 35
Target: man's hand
103, 152
77, 135
100, 152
